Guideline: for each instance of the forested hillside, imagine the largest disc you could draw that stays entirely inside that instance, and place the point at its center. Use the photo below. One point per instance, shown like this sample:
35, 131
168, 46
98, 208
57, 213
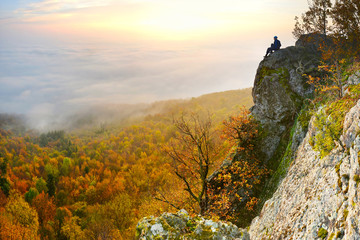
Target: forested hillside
98, 181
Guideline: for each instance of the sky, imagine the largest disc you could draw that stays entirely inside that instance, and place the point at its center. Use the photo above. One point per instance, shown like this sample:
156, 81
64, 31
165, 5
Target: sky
58, 56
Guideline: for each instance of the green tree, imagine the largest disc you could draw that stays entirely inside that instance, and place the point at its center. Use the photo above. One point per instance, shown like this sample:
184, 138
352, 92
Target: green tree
51, 169
31, 194
314, 20
41, 185
50, 184
61, 215
4, 182
346, 19
66, 166
5, 185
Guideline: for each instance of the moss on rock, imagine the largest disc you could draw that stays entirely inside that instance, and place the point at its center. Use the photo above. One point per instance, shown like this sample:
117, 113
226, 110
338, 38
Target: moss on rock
322, 233
181, 226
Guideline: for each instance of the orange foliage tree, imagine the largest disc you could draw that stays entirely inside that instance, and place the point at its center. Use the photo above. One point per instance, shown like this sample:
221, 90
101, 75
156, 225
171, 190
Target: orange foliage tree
46, 210
330, 82
234, 182
18, 220
335, 59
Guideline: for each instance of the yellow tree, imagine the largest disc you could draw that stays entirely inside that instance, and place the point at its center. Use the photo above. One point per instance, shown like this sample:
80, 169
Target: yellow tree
194, 152
72, 230
18, 219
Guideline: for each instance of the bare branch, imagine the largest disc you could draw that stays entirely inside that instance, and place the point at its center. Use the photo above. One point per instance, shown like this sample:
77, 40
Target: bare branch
163, 199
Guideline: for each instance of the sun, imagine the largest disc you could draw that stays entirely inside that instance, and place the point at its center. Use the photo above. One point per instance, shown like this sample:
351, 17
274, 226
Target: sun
174, 26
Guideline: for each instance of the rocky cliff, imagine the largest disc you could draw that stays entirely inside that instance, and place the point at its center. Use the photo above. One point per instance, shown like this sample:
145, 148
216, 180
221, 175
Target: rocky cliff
317, 181
279, 91
319, 197
312, 149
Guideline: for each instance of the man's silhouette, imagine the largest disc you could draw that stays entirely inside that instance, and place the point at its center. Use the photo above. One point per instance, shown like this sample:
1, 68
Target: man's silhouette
275, 46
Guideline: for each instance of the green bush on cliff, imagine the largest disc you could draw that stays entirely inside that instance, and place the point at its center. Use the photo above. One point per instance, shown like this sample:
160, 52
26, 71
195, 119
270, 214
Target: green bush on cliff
330, 122
322, 233
305, 115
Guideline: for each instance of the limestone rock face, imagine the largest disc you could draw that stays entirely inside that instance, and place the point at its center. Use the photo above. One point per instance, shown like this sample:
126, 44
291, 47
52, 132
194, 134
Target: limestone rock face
279, 90
318, 198
182, 226
278, 93
354, 79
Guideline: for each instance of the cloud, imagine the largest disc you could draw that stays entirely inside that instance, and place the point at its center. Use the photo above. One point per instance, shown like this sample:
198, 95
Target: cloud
53, 6
25, 94
73, 77
162, 18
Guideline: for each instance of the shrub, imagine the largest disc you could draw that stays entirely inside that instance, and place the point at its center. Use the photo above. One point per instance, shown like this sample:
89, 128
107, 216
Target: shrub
322, 233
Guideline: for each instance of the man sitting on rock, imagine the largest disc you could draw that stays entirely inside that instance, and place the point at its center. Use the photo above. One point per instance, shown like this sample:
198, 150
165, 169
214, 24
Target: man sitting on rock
275, 46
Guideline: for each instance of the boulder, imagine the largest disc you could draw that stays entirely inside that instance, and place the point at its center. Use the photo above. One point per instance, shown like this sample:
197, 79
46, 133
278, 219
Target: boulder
181, 226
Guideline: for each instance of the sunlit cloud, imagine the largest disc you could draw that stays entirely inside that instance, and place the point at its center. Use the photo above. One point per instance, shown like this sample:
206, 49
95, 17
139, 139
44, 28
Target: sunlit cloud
53, 6
161, 19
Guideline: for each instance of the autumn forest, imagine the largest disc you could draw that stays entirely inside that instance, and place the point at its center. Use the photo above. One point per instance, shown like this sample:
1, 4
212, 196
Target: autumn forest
97, 182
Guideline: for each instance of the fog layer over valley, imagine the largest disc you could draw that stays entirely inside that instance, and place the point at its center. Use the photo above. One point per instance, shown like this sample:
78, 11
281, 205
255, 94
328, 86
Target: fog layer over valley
107, 116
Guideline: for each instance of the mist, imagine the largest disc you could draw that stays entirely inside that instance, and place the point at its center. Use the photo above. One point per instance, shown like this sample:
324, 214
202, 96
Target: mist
49, 84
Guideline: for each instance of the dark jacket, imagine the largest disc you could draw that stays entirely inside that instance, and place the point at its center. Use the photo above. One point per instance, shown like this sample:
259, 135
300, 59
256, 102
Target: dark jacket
277, 44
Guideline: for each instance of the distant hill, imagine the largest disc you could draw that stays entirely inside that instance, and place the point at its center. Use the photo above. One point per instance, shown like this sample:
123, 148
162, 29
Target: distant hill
119, 115
12, 122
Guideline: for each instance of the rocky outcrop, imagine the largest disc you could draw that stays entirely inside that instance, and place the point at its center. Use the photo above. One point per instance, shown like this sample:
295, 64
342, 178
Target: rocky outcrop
320, 197
182, 226
279, 91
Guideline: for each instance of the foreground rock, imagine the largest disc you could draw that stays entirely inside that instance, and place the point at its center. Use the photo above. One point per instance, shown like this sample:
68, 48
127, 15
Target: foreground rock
182, 226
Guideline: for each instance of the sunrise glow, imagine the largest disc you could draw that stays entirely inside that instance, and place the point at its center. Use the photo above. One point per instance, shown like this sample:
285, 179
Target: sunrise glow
175, 20
81, 52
